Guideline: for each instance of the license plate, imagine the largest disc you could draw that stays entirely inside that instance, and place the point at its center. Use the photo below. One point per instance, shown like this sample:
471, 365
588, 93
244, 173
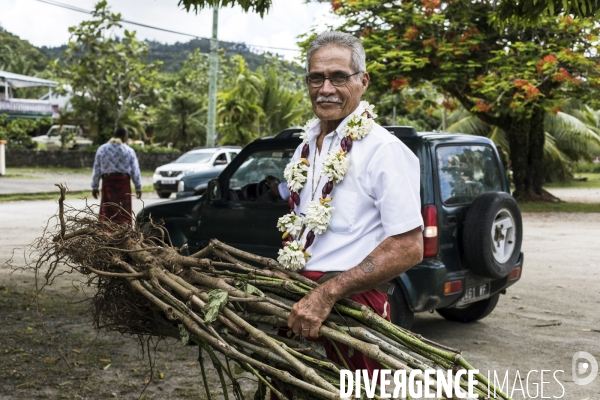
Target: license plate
475, 293
169, 181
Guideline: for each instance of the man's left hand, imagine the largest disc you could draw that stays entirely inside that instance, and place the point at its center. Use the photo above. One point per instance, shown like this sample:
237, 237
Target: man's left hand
138, 194
308, 314
95, 193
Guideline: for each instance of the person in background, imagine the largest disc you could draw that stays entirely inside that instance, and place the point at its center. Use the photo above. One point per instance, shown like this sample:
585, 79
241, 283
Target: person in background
116, 164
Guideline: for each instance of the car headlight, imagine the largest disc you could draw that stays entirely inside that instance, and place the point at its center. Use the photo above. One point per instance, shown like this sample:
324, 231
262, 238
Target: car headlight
181, 186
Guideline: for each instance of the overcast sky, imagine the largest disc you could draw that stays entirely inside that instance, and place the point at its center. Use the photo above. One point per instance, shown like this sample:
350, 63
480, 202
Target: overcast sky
46, 25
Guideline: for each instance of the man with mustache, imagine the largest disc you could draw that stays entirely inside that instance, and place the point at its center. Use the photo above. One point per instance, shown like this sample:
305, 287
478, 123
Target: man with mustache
375, 231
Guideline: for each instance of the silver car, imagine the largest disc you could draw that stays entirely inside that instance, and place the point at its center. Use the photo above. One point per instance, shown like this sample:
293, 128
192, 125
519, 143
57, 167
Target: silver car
166, 177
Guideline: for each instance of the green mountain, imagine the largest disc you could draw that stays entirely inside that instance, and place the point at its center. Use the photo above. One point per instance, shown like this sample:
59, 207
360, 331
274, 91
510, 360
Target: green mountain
173, 55
20, 56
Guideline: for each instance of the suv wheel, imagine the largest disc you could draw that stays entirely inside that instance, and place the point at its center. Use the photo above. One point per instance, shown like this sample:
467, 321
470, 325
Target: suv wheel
163, 195
492, 235
400, 312
471, 312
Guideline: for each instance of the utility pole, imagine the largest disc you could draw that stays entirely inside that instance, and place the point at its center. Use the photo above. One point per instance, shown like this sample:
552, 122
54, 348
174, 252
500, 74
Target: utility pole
212, 82
444, 121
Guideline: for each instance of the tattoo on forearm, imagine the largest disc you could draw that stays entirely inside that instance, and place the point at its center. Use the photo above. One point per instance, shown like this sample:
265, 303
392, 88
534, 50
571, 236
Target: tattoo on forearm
367, 265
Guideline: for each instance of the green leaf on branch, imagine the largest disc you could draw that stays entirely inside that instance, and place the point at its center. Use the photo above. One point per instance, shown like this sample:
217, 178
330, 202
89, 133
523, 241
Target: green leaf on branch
237, 370
184, 334
249, 289
217, 299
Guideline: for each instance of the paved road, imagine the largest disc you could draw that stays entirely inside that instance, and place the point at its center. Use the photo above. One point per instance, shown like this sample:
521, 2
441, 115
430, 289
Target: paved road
589, 195
23, 221
38, 182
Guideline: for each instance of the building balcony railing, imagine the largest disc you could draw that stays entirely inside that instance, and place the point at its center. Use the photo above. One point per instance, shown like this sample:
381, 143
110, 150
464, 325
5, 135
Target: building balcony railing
25, 106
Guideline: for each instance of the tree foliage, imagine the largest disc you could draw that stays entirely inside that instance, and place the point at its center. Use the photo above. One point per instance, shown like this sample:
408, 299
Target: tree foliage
181, 121
257, 6
107, 77
250, 103
531, 11
11, 47
508, 77
260, 103
571, 135
238, 109
17, 131
284, 99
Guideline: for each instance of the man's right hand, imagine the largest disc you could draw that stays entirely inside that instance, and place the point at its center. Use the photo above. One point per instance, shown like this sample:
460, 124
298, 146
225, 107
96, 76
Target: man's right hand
95, 193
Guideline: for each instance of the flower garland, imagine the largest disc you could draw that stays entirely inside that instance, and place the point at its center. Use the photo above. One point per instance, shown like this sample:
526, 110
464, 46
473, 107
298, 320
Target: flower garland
293, 255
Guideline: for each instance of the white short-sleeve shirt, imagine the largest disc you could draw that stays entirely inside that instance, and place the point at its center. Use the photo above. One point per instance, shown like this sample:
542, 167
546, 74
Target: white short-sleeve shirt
379, 196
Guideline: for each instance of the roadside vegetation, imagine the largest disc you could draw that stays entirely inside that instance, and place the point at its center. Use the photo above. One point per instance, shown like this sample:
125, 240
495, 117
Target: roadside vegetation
32, 172
581, 181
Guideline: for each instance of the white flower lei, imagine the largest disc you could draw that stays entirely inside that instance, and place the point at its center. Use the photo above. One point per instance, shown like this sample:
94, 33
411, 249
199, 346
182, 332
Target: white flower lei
318, 216
335, 166
369, 108
358, 127
304, 133
293, 255
290, 223
295, 175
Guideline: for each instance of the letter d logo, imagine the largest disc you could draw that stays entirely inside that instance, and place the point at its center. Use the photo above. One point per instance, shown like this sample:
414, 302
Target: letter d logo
582, 368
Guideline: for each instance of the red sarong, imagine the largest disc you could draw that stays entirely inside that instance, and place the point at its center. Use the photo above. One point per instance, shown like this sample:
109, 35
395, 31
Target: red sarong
373, 298
116, 189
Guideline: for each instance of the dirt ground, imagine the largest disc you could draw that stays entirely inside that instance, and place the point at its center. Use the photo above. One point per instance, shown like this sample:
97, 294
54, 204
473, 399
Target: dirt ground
539, 324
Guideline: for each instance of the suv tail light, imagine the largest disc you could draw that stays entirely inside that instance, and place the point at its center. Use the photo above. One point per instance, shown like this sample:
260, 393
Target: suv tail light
453, 287
430, 233
514, 274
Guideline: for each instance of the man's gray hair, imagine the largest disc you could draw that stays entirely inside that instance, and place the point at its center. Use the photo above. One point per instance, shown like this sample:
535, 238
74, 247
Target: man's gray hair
341, 39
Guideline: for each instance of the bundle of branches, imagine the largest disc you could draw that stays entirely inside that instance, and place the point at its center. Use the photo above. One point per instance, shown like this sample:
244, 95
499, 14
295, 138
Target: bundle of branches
218, 298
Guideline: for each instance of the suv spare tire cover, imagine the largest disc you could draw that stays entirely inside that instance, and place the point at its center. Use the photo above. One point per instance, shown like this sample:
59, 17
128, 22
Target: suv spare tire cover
492, 235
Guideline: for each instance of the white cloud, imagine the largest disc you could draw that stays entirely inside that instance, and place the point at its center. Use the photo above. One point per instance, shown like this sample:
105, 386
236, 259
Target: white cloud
46, 25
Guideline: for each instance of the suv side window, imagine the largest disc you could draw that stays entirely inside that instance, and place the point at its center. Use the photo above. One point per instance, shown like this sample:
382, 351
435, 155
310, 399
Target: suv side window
232, 155
466, 171
221, 159
256, 168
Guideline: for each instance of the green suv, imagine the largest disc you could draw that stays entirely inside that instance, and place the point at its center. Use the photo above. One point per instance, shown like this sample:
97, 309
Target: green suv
473, 228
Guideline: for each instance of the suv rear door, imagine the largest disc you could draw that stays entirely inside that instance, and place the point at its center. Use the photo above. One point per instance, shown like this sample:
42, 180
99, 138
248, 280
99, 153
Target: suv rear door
464, 171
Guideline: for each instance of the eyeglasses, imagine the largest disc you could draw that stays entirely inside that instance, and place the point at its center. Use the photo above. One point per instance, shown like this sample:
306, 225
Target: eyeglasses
318, 80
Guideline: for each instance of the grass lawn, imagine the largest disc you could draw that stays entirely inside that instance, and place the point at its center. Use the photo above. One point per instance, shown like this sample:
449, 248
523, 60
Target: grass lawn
53, 196
19, 175
593, 181
560, 207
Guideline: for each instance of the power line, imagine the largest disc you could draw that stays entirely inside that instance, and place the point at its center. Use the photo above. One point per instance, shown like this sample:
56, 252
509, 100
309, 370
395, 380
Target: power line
81, 10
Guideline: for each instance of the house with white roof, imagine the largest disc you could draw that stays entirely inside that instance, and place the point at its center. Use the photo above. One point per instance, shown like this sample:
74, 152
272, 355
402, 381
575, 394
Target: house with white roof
26, 108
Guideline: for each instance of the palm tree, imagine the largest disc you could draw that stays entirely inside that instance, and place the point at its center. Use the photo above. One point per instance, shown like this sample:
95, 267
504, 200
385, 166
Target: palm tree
181, 121
283, 106
239, 110
572, 133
